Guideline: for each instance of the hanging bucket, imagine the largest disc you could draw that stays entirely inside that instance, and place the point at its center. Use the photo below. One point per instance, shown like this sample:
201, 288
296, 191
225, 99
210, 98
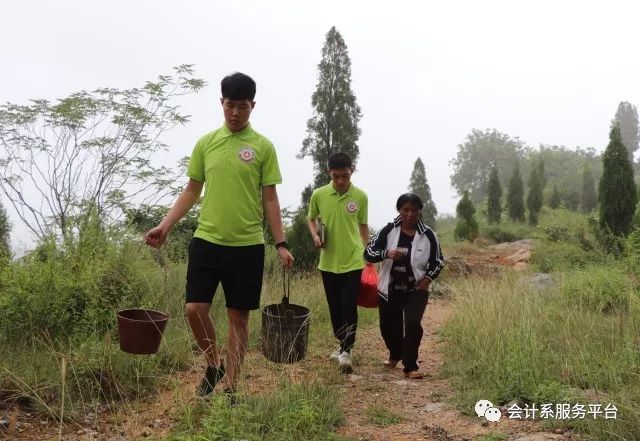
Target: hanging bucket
285, 329
140, 330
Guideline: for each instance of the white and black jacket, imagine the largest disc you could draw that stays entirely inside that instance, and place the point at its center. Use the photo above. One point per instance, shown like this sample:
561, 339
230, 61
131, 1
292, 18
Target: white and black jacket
426, 256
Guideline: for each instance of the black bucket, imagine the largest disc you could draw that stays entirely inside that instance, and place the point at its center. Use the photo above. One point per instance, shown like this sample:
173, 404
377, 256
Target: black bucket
285, 330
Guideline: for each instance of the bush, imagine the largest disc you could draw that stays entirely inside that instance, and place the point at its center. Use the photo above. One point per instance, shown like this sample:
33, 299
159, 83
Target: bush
302, 247
556, 233
466, 230
599, 289
75, 289
633, 250
502, 234
563, 256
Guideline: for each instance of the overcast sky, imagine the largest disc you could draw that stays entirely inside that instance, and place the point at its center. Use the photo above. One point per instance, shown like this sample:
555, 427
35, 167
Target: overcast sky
424, 73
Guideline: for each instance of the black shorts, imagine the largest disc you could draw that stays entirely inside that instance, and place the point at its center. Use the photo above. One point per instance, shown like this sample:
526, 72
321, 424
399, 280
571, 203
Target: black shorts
239, 269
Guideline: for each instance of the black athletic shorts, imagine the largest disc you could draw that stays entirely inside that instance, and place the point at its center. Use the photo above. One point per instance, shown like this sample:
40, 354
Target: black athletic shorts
239, 269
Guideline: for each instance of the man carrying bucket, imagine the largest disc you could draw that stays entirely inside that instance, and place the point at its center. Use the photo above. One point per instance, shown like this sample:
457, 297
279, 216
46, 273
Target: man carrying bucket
343, 209
239, 169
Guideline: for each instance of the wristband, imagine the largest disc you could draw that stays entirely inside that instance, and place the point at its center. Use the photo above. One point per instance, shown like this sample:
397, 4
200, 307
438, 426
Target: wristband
282, 244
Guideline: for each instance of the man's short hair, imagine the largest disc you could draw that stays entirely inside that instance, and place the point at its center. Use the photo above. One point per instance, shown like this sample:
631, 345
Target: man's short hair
340, 160
238, 86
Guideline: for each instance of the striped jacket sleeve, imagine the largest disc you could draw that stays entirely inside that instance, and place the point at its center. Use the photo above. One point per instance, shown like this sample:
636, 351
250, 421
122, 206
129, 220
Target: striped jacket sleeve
376, 251
436, 259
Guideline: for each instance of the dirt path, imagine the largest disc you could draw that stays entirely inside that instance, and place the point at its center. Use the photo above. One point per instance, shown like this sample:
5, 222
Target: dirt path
421, 403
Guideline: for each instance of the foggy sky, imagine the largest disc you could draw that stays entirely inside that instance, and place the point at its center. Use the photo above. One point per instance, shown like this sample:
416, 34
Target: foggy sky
424, 73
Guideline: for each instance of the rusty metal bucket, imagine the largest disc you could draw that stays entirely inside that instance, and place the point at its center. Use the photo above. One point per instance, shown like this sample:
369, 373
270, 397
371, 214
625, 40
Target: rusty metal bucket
140, 330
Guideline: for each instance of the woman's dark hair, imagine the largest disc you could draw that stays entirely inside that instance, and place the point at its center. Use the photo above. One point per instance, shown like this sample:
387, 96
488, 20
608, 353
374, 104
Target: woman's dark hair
410, 198
238, 86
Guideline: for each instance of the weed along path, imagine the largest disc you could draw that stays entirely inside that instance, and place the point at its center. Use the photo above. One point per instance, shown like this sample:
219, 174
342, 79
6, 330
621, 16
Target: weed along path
378, 403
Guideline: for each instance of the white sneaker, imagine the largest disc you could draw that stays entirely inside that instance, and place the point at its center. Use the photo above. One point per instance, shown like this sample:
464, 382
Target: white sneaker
344, 363
335, 354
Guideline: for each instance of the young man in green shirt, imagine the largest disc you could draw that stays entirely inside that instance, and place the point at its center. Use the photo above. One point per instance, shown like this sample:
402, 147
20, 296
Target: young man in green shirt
343, 209
238, 169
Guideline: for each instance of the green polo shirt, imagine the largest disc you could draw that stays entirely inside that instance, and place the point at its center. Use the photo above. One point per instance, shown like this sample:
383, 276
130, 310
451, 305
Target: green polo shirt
234, 167
342, 215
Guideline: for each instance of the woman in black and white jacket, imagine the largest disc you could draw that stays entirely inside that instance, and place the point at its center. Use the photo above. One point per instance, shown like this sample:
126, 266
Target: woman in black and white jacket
411, 259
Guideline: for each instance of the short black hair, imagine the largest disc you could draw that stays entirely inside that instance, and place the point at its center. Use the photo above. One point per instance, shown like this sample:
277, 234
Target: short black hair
238, 86
340, 160
410, 198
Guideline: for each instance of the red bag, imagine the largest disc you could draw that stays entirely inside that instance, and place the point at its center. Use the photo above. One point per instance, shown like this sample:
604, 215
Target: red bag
368, 295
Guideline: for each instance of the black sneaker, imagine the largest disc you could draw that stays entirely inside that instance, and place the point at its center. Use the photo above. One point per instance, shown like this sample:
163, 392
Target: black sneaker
211, 378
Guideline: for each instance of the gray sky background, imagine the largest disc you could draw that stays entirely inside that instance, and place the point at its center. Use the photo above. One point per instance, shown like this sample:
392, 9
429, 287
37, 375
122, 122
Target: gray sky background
425, 73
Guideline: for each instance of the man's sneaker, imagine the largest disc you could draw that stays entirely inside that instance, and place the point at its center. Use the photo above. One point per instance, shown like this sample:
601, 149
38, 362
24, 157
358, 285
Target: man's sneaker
211, 378
344, 363
335, 354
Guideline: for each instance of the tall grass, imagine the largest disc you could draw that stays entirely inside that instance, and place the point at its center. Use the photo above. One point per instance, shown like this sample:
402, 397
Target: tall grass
288, 412
508, 341
58, 309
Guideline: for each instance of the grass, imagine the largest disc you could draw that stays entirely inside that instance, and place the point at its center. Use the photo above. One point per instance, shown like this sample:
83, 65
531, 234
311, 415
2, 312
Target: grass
507, 341
289, 412
381, 416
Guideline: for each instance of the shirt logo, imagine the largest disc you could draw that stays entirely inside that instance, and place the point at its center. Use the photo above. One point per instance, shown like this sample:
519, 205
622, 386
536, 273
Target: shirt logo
247, 154
352, 207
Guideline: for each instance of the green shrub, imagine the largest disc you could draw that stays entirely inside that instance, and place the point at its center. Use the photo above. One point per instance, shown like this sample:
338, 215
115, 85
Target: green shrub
633, 250
555, 233
564, 256
502, 234
466, 230
599, 289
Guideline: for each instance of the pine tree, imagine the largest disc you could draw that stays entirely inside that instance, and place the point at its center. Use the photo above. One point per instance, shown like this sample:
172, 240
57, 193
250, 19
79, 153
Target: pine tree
627, 117
572, 200
334, 125
467, 227
515, 196
617, 191
588, 199
554, 201
418, 184
541, 174
494, 192
534, 198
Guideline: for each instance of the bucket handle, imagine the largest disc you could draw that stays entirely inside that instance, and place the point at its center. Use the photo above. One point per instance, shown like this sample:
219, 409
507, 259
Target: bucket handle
286, 287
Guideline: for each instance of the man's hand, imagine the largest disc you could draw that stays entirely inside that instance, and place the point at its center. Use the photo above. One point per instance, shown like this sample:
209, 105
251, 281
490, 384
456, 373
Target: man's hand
285, 257
396, 254
155, 237
423, 285
317, 241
